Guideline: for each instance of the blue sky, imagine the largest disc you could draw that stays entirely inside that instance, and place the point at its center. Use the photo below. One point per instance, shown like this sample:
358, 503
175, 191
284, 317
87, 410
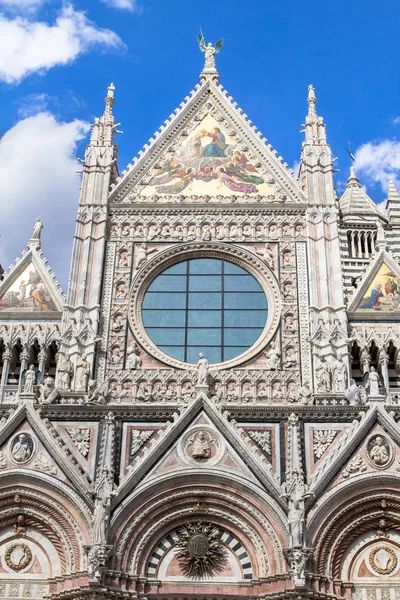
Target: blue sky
56, 60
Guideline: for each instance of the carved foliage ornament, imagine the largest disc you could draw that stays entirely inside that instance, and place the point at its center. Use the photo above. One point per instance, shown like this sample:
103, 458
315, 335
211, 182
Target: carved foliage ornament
18, 557
383, 560
139, 438
262, 439
355, 466
81, 439
200, 553
322, 439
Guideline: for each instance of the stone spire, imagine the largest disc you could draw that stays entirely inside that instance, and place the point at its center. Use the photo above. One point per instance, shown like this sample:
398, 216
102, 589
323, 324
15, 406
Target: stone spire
393, 204
355, 204
99, 170
104, 128
316, 171
314, 125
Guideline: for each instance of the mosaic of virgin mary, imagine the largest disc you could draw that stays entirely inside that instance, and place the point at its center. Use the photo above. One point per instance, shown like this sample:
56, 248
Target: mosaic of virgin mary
207, 156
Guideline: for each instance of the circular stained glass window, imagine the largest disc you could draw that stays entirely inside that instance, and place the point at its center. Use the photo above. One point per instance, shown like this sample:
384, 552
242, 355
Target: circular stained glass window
204, 305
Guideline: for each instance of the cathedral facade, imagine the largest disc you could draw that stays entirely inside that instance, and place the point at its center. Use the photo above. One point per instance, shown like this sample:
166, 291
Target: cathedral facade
212, 409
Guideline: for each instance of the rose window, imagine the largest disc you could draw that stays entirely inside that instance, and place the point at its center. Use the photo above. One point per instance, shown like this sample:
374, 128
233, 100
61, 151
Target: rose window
204, 305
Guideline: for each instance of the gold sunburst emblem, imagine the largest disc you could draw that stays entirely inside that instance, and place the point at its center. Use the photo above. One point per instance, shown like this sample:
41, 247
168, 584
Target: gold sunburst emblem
200, 552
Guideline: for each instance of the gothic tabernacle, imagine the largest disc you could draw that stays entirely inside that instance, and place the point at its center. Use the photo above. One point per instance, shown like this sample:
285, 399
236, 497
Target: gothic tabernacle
211, 411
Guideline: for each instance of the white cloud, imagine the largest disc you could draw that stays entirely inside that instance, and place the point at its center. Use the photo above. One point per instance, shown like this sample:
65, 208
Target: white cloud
32, 46
21, 4
396, 121
33, 103
381, 206
376, 160
124, 4
38, 178
296, 168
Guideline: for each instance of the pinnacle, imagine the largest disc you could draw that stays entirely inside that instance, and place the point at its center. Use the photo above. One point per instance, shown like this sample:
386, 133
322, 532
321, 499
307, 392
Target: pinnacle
311, 100
393, 194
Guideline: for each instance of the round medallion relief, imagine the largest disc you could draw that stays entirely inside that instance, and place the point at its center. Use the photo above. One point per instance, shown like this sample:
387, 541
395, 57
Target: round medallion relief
22, 448
201, 445
379, 451
18, 557
383, 560
198, 545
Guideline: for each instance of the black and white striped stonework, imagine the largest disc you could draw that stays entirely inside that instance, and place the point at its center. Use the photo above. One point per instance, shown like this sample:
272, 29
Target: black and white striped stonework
226, 538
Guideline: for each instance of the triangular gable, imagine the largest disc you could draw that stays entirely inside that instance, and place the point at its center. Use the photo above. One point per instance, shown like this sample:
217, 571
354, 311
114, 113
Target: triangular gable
201, 446
209, 149
379, 290
29, 289
53, 458
81, 439
348, 449
257, 465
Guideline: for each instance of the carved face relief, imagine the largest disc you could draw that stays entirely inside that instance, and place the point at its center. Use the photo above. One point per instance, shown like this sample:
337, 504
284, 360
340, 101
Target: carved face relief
379, 452
22, 448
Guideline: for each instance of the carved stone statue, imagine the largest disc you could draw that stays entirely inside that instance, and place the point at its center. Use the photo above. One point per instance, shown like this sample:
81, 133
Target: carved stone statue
48, 391
37, 229
323, 376
296, 492
202, 371
373, 382
143, 254
65, 371
200, 446
100, 520
30, 376
99, 394
118, 323
209, 52
273, 356
290, 358
133, 360
355, 394
304, 395
97, 557
340, 374
82, 372
267, 255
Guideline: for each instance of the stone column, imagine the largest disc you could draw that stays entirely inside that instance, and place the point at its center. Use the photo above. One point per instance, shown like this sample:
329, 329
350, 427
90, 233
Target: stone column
383, 361
24, 365
43, 356
6, 358
365, 360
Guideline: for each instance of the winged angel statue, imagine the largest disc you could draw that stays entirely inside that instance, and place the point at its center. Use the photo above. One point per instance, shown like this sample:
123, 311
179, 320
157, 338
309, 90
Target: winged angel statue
209, 51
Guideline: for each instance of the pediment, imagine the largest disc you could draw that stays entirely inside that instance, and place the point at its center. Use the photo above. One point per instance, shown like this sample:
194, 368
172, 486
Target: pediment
379, 290
201, 447
26, 442
207, 152
81, 438
358, 450
201, 439
29, 290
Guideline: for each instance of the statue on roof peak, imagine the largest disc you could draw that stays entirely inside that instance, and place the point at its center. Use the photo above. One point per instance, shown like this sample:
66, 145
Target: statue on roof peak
209, 52
37, 229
